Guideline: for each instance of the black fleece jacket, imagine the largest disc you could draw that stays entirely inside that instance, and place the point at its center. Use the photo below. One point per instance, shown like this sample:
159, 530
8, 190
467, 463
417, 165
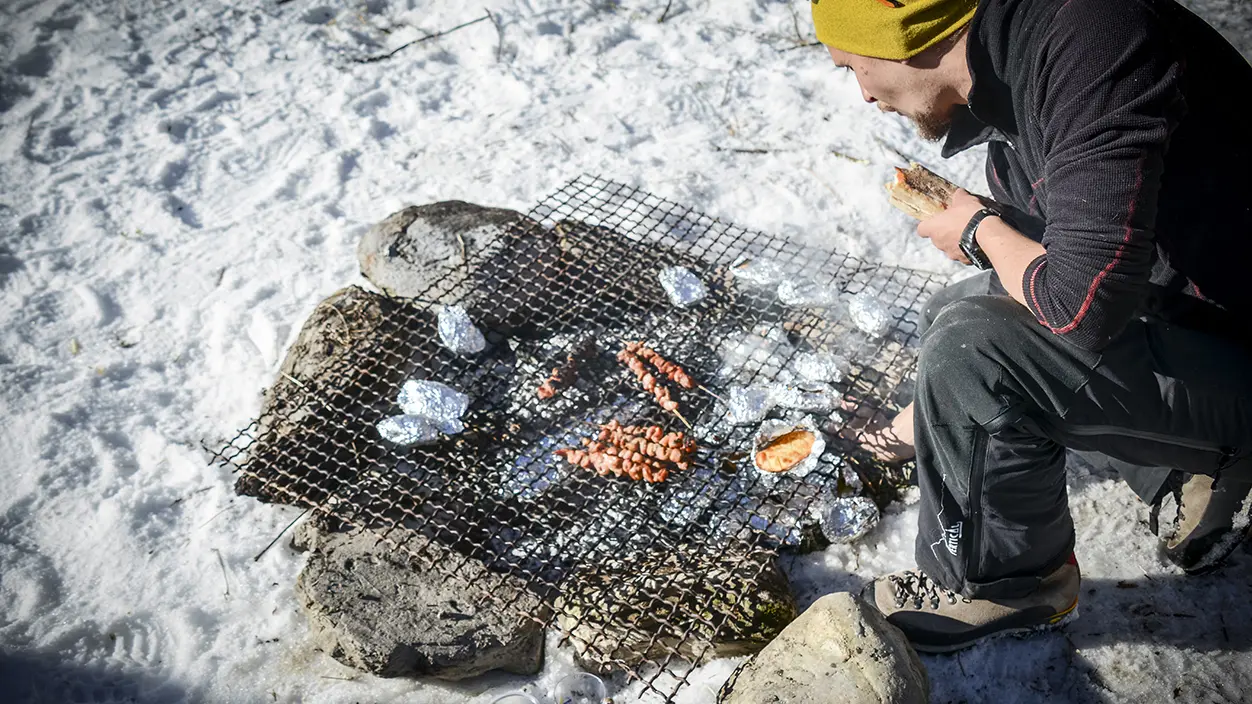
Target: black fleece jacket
1121, 132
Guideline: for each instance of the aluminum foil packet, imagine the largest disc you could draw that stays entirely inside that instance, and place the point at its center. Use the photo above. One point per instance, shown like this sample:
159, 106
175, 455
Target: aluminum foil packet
760, 273
749, 405
820, 366
458, 333
806, 293
870, 315
683, 287
814, 398
773, 429
439, 403
848, 519
406, 430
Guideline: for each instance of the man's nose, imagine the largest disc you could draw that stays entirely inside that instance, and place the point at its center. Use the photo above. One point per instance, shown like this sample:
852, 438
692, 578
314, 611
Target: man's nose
868, 98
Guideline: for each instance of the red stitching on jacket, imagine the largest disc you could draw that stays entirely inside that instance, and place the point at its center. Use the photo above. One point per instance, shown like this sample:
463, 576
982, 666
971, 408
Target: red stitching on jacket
1095, 283
1033, 275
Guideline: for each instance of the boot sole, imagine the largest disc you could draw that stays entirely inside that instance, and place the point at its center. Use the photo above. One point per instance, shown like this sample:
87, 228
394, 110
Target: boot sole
1061, 619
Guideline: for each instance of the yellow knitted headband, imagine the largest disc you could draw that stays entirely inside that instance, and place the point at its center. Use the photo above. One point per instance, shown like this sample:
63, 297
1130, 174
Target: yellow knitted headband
889, 29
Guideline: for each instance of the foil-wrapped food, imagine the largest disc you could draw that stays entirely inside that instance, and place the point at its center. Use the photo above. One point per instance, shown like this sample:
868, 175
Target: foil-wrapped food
848, 519
820, 366
748, 405
760, 273
406, 430
791, 449
805, 293
458, 333
430, 408
682, 286
870, 315
440, 403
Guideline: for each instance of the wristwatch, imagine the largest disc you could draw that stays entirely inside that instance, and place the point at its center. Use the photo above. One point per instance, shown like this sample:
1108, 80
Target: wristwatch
969, 243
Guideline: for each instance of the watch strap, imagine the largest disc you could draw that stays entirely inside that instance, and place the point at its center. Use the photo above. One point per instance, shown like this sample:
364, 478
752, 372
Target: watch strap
969, 240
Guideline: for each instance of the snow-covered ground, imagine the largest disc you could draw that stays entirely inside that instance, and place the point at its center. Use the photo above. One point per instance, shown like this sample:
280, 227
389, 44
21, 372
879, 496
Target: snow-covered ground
181, 182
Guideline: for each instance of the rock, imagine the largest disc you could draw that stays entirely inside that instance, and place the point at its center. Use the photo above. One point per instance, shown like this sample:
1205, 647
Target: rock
840, 644
630, 610
372, 610
349, 316
410, 251
300, 410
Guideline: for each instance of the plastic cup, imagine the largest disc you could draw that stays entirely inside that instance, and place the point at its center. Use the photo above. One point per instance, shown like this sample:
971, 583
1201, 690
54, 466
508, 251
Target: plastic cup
581, 688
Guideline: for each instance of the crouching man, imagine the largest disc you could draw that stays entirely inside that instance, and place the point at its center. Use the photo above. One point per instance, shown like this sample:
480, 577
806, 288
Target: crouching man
1115, 310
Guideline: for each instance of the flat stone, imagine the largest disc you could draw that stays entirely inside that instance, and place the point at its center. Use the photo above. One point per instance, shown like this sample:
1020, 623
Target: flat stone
372, 609
412, 250
647, 607
839, 644
347, 320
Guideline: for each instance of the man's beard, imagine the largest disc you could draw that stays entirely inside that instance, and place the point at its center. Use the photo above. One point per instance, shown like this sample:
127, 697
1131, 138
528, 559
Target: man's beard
932, 126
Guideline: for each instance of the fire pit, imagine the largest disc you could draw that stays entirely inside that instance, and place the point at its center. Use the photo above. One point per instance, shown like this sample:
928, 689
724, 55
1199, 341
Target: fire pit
644, 578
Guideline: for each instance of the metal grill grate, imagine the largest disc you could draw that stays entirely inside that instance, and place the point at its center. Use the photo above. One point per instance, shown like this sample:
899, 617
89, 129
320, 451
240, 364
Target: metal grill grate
670, 564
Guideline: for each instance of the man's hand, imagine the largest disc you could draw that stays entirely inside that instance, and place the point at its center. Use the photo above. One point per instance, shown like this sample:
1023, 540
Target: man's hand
944, 230
1010, 251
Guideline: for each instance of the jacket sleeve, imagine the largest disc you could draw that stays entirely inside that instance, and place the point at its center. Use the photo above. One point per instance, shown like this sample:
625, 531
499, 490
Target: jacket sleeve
1107, 97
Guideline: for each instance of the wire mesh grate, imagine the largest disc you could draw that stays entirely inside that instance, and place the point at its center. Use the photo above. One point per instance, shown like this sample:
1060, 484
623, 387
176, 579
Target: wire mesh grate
644, 579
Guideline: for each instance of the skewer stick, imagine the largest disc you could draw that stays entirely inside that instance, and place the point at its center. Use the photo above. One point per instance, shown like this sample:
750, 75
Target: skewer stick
684, 420
709, 391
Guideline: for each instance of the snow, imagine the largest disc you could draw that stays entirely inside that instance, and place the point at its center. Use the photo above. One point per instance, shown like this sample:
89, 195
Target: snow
180, 184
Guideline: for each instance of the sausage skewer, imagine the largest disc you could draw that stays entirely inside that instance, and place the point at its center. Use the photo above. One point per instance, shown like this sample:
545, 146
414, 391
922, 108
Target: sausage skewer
563, 376
636, 356
644, 453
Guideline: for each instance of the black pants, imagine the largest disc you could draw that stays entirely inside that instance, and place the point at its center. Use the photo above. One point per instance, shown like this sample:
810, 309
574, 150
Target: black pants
1000, 398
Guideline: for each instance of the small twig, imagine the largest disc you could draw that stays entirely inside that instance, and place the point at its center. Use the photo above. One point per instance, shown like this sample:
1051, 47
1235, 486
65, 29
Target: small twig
499, 33
295, 381
402, 47
180, 499
730, 76
742, 151
464, 256
228, 507
666, 12
345, 679
893, 150
221, 563
799, 46
823, 182
345, 339
280, 534
853, 159
569, 151
795, 22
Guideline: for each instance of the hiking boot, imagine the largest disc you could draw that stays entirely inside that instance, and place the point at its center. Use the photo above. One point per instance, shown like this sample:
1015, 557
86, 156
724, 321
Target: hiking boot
936, 620
1210, 523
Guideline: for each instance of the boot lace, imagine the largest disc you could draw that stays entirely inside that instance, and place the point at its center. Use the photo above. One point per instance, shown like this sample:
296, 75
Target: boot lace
921, 590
